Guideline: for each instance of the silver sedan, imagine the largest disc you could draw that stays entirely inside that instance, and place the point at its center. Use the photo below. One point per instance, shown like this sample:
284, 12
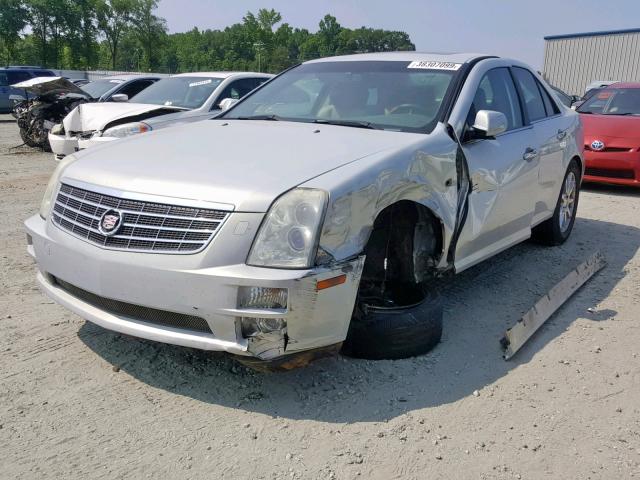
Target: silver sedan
316, 213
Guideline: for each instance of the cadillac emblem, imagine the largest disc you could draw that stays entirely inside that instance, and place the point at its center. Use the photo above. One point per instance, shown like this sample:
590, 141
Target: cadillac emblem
110, 222
597, 145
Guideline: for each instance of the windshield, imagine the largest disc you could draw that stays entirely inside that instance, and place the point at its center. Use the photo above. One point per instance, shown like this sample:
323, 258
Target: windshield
613, 101
99, 87
390, 95
182, 92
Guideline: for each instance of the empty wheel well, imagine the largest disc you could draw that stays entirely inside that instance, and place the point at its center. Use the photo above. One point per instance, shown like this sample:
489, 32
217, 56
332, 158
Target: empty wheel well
403, 250
578, 161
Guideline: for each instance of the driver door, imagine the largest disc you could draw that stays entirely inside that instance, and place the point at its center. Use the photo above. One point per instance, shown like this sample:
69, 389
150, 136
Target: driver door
503, 172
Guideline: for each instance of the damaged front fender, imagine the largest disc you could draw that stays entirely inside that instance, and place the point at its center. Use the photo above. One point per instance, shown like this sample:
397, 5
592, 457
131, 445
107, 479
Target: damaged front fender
424, 172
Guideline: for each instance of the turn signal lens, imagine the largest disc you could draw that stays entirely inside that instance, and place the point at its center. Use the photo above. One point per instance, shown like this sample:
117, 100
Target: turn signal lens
331, 282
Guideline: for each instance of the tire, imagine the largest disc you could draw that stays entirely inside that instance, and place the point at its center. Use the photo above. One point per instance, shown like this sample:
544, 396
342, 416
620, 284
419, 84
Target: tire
557, 229
27, 139
378, 333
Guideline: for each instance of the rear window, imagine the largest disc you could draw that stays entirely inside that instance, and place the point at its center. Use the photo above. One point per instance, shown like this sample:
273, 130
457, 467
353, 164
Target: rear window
4, 81
18, 76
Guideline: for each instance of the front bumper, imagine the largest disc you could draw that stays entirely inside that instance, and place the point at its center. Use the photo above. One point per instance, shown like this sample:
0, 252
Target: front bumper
195, 285
61, 145
619, 168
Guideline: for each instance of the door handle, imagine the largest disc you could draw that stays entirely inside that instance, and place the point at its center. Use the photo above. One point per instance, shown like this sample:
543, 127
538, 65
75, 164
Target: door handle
530, 154
561, 134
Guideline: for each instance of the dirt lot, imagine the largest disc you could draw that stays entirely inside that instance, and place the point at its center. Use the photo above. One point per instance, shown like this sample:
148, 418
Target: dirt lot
77, 401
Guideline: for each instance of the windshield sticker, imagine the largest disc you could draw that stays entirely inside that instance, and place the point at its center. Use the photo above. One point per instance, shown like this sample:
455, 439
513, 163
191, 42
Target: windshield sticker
203, 82
115, 81
431, 65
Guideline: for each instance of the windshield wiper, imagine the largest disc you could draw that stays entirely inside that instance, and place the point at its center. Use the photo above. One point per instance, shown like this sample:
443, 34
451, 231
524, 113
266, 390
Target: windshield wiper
272, 117
346, 123
622, 114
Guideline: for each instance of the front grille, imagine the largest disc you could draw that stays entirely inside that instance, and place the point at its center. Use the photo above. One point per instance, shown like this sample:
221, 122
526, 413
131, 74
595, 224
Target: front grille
609, 173
146, 227
137, 312
608, 149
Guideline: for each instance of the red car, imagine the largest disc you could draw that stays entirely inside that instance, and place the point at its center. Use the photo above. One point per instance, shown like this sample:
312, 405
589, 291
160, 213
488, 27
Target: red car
611, 120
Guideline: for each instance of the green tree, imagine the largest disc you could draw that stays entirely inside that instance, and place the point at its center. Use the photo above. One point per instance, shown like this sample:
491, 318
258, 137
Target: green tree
114, 19
150, 31
13, 19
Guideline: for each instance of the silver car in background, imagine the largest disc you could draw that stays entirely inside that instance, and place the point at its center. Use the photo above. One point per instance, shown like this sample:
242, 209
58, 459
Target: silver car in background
183, 98
318, 212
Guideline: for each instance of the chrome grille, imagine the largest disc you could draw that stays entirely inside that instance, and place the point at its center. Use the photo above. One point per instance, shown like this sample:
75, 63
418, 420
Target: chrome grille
146, 227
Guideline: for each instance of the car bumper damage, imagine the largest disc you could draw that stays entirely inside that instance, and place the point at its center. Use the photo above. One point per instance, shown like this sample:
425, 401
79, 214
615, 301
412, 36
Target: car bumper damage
256, 313
61, 145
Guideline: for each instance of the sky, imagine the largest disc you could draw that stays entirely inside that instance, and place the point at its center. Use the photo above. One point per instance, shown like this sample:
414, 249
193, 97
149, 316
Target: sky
509, 28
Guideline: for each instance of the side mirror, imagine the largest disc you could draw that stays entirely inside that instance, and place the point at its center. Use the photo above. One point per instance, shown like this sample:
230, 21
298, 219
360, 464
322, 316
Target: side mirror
489, 123
227, 103
120, 97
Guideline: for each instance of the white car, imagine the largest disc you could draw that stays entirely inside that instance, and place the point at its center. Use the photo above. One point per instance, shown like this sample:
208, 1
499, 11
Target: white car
183, 98
320, 209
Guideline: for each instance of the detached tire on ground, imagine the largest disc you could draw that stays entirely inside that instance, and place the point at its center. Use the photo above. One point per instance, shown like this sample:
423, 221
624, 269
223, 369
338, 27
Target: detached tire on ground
379, 333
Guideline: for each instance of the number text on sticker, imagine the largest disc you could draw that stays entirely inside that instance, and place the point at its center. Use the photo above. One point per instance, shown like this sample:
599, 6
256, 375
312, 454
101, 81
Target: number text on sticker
431, 65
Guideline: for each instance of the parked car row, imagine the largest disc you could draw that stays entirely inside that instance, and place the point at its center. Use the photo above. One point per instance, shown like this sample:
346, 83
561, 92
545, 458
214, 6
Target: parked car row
309, 214
183, 98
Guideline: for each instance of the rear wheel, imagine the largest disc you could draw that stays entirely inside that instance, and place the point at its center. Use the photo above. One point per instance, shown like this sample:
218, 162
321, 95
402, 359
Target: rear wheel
556, 230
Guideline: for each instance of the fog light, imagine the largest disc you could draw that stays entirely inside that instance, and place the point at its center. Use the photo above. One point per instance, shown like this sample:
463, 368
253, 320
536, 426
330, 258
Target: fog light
262, 297
256, 326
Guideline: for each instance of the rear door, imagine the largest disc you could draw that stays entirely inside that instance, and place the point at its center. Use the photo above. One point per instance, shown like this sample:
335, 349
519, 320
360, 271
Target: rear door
550, 127
503, 171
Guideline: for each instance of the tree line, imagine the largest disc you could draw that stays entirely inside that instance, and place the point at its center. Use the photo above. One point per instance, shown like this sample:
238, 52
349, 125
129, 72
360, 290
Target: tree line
129, 35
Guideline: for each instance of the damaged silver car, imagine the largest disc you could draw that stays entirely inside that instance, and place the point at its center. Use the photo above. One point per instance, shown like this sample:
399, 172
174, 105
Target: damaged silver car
316, 213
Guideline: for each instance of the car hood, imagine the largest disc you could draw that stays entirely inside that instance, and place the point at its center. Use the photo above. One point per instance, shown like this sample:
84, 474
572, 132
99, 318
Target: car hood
44, 85
243, 163
609, 127
90, 117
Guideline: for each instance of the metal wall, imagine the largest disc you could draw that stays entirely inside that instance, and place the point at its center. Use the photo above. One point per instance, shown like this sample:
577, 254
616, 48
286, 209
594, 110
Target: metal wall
572, 62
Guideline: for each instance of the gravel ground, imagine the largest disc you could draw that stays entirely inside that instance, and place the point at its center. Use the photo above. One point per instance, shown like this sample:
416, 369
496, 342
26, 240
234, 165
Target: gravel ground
77, 401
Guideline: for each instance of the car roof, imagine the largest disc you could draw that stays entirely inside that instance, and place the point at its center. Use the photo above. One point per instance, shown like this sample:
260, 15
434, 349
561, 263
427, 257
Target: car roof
220, 74
403, 57
126, 78
624, 85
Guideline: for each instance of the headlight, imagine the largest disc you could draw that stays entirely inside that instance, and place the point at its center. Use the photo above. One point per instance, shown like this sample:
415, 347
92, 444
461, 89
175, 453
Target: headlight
288, 236
127, 129
45, 206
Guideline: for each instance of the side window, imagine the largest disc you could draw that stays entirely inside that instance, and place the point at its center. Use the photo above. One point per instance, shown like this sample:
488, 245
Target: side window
135, 87
17, 77
238, 89
497, 92
533, 102
4, 81
549, 105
